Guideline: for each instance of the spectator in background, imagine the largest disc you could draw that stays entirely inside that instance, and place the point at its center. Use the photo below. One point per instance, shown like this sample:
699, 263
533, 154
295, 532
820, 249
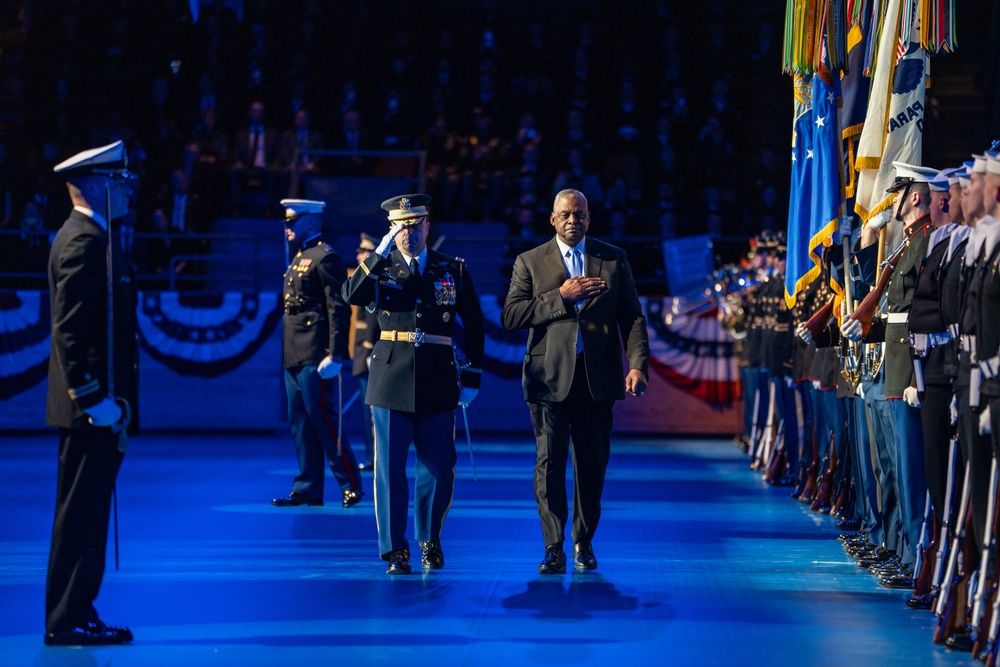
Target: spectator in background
294, 151
574, 175
352, 137
254, 160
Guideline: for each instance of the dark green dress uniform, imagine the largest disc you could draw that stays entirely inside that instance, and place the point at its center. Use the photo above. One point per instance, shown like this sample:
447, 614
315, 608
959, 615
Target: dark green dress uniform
907, 443
413, 383
78, 374
316, 324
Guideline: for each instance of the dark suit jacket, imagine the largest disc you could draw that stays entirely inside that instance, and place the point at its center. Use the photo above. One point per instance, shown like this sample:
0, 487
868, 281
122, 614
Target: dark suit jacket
404, 376
317, 321
78, 365
241, 149
533, 303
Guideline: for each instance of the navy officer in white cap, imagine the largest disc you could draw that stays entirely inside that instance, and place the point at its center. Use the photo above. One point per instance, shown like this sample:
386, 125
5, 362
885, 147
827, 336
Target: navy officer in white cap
416, 378
313, 347
91, 389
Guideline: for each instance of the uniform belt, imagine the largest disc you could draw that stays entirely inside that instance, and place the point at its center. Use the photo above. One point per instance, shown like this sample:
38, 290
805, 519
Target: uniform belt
921, 342
416, 337
897, 318
990, 367
780, 328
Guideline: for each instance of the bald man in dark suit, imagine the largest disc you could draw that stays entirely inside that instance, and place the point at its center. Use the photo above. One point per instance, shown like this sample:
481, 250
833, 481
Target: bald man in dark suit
577, 298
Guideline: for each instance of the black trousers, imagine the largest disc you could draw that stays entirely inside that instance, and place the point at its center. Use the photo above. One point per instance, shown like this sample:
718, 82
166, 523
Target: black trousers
588, 424
935, 416
88, 465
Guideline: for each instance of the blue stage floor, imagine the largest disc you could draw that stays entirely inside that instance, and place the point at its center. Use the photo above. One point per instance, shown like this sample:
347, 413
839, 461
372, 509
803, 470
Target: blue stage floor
700, 564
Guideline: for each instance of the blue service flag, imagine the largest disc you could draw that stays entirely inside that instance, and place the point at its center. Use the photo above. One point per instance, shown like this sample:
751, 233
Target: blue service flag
813, 213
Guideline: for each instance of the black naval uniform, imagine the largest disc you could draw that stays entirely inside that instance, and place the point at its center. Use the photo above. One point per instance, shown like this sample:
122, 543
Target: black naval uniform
89, 458
976, 448
316, 324
929, 337
413, 383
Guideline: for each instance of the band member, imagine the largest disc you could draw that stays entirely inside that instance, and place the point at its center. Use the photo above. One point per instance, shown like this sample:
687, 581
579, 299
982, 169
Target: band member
577, 298
415, 378
314, 345
92, 389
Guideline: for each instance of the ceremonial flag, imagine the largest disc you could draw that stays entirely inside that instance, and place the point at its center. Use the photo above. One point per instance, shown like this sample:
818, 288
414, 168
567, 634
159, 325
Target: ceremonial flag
814, 211
894, 123
854, 92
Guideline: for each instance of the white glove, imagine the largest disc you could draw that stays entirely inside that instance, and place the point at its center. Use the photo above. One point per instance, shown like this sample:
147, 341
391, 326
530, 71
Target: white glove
879, 221
105, 413
985, 427
860, 391
386, 243
817, 385
911, 397
789, 382
328, 368
803, 333
851, 330
466, 396
953, 410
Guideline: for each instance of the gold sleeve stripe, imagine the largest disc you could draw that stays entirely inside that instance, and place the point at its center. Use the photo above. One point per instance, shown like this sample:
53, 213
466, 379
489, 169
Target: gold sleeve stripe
76, 393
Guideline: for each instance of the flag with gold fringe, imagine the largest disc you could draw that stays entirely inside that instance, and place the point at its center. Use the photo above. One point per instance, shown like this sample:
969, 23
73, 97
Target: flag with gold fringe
814, 210
894, 122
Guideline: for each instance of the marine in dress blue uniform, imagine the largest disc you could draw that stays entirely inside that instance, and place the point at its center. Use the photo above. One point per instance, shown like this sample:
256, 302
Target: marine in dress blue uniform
366, 334
314, 345
414, 385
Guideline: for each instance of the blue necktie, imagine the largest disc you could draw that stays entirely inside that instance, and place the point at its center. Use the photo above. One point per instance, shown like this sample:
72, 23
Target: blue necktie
576, 271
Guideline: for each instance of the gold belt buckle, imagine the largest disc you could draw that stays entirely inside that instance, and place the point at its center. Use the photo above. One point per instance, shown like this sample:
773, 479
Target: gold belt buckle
415, 337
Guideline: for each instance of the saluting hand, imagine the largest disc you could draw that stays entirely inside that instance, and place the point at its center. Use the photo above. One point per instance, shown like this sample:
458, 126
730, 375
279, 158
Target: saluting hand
386, 243
636, 383
575, 290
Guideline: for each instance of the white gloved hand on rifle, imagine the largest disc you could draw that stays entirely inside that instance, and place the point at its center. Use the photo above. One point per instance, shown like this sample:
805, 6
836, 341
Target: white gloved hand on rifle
329, 368
386, 243
911, 397
802, 332
985, 426
851, 330
105, 413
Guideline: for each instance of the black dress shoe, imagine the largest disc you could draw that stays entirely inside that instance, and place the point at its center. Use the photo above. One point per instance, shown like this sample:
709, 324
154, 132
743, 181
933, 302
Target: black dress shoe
898, 581
95, 633
433, 557
294, 500
583, 556
399, 562
352, 497
848, 524
921, 601
877, 555
961, 643
554, 561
